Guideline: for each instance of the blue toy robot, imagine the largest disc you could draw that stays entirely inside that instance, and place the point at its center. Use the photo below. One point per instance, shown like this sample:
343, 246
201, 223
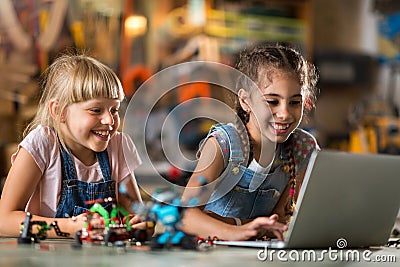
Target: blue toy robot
167, 209
170, 216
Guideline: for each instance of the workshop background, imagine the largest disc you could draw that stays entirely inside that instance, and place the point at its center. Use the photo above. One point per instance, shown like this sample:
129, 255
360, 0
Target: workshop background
355, 45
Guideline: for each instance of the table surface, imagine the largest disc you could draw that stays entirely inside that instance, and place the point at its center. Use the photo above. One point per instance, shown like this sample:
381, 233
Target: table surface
59, 253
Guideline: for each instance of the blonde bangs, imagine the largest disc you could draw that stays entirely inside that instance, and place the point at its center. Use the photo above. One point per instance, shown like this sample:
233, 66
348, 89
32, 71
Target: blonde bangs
92, 80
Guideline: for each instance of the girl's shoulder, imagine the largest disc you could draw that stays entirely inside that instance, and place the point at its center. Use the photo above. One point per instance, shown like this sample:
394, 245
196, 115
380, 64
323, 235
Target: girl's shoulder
304, 144
224, 131
223, 134
42, 144
41, 137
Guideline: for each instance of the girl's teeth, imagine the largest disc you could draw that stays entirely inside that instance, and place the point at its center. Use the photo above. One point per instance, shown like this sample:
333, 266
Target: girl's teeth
280, 126
102, 133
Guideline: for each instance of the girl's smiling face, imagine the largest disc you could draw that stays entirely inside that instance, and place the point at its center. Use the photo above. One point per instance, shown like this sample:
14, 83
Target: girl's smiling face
88, 126
277, 110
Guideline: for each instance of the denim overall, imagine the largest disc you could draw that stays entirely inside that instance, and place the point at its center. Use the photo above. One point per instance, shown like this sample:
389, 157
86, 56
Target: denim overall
243, 201
75, 193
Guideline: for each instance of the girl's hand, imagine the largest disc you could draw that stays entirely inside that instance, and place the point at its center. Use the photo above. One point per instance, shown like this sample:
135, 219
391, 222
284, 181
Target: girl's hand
258, 227
137, 223
76, 223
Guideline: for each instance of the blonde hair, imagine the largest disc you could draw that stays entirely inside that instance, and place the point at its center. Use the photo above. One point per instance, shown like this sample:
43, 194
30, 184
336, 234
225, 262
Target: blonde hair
71, 79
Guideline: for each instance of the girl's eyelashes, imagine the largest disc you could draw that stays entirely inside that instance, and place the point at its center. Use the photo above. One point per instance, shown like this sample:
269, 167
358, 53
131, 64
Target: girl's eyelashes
272, 102
296, 102
95, 110
275, 102
113, 111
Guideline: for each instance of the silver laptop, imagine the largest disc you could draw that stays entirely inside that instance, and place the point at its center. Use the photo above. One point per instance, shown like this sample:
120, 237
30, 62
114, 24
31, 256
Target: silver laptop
347, 200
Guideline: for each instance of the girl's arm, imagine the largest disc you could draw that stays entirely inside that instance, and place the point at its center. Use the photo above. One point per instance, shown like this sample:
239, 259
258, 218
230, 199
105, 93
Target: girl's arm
22, 179
132, 190
197, 222
209, 167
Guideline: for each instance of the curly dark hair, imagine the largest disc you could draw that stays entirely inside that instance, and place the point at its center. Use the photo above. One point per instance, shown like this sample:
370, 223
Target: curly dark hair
282, 58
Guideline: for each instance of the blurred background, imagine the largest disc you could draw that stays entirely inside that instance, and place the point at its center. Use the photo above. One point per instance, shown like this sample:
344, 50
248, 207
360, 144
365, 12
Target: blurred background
354, 44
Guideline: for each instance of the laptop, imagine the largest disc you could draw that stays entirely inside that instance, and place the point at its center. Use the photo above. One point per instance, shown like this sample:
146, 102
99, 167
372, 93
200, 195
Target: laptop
347, 200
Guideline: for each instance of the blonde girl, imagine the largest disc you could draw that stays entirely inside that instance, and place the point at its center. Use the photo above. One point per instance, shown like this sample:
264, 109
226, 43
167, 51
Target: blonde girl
72, 152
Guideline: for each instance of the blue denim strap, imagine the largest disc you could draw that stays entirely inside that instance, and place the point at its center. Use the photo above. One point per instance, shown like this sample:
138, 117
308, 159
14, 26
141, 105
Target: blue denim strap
235, 150
102, 158
75, 193
234, 170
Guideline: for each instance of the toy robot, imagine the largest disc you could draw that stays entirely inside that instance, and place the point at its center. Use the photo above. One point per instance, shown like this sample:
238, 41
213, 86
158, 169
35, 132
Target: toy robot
108, 228
170, 216
168, 210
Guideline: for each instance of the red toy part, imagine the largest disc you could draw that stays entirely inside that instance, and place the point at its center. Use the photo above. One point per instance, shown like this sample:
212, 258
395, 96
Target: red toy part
174, 173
